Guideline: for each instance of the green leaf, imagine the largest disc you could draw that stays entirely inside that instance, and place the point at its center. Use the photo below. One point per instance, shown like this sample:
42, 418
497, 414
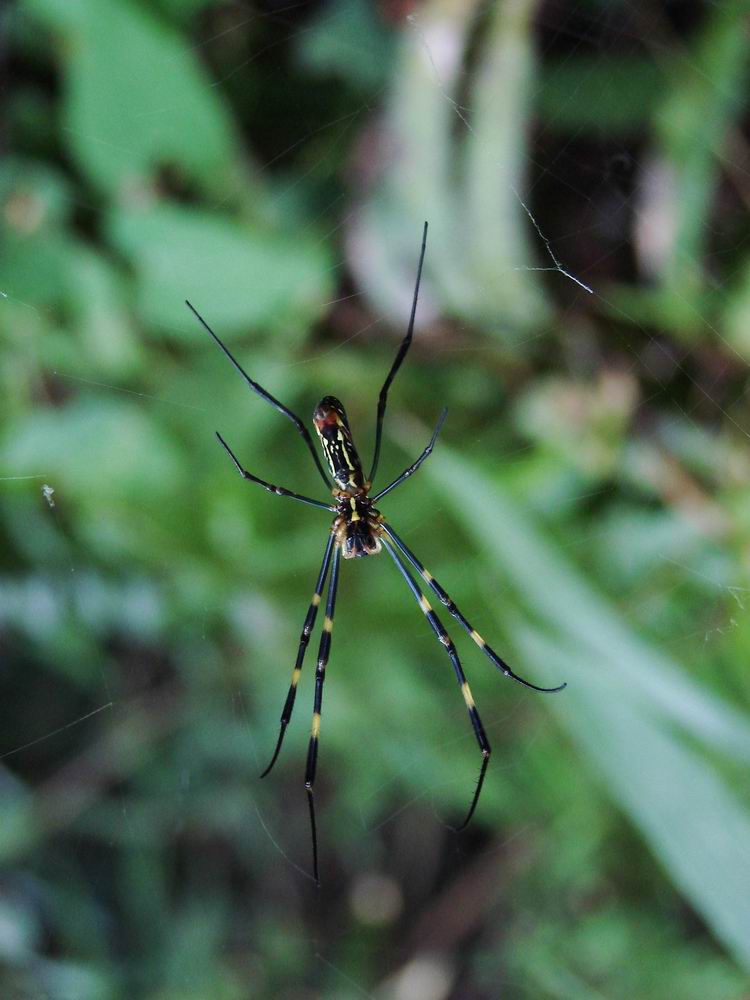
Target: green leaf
35, 268
691, 818
96, 449
705, 99
236, 276
554, 591
736, 319
589, 93
332, 45
623, 702
97, 305
136, 97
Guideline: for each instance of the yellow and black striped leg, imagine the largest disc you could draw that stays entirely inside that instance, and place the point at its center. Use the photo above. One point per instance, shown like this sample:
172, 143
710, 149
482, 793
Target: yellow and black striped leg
304, 639
453, 610
320, 676
450, 649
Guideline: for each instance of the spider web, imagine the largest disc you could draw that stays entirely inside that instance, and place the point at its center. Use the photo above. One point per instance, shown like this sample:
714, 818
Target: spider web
260, 617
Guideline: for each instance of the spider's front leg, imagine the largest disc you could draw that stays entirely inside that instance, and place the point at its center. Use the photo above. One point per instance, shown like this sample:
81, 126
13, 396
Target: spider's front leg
447, 642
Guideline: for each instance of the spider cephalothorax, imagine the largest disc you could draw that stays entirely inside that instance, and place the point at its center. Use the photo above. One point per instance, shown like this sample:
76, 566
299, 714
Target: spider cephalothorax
359, 529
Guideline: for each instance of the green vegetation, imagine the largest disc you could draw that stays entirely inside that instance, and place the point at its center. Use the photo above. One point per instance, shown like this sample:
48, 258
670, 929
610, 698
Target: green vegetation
586, 504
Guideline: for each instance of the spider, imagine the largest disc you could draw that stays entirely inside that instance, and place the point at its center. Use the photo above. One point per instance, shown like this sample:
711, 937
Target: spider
359, 529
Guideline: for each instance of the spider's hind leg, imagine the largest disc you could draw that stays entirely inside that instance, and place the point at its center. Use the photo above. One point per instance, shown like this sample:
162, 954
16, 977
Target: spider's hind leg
304, 639
488, 651
320, 676
447, 642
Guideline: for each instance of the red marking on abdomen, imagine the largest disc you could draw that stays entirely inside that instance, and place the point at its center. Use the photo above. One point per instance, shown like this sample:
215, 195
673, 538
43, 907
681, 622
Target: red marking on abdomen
330, 419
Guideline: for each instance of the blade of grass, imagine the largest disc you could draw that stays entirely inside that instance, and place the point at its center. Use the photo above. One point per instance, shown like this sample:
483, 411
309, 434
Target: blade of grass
458, 167
621, 706
691, 819
555, 592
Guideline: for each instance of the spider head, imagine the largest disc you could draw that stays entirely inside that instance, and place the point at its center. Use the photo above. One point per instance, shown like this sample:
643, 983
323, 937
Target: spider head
332, 426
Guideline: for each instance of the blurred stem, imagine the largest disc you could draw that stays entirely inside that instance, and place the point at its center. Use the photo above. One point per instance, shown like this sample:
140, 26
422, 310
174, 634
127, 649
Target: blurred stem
458, 167
497, 151
692, 128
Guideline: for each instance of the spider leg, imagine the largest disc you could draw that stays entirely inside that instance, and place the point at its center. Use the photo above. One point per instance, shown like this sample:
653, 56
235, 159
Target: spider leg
437, 589
278, 490
415, 465
405, 344
320, 675
264, 394
304, 639
450, 649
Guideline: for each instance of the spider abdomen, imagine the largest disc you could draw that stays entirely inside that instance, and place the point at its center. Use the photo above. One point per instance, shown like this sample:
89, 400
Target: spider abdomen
332, 426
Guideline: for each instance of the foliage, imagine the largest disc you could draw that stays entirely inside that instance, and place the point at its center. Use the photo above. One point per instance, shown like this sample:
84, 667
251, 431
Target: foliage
586, 505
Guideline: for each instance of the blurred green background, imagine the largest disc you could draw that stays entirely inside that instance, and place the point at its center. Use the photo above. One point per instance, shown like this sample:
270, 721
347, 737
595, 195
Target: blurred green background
586, 506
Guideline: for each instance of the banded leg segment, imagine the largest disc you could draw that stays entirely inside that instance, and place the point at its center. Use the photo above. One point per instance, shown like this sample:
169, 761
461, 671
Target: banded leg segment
450, 649
278, 490
488, 651
320, 676
304, 639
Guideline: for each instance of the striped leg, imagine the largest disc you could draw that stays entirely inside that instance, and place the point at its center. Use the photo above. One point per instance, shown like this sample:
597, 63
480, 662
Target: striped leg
450, 649
304, 639
437, 589
320, 676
